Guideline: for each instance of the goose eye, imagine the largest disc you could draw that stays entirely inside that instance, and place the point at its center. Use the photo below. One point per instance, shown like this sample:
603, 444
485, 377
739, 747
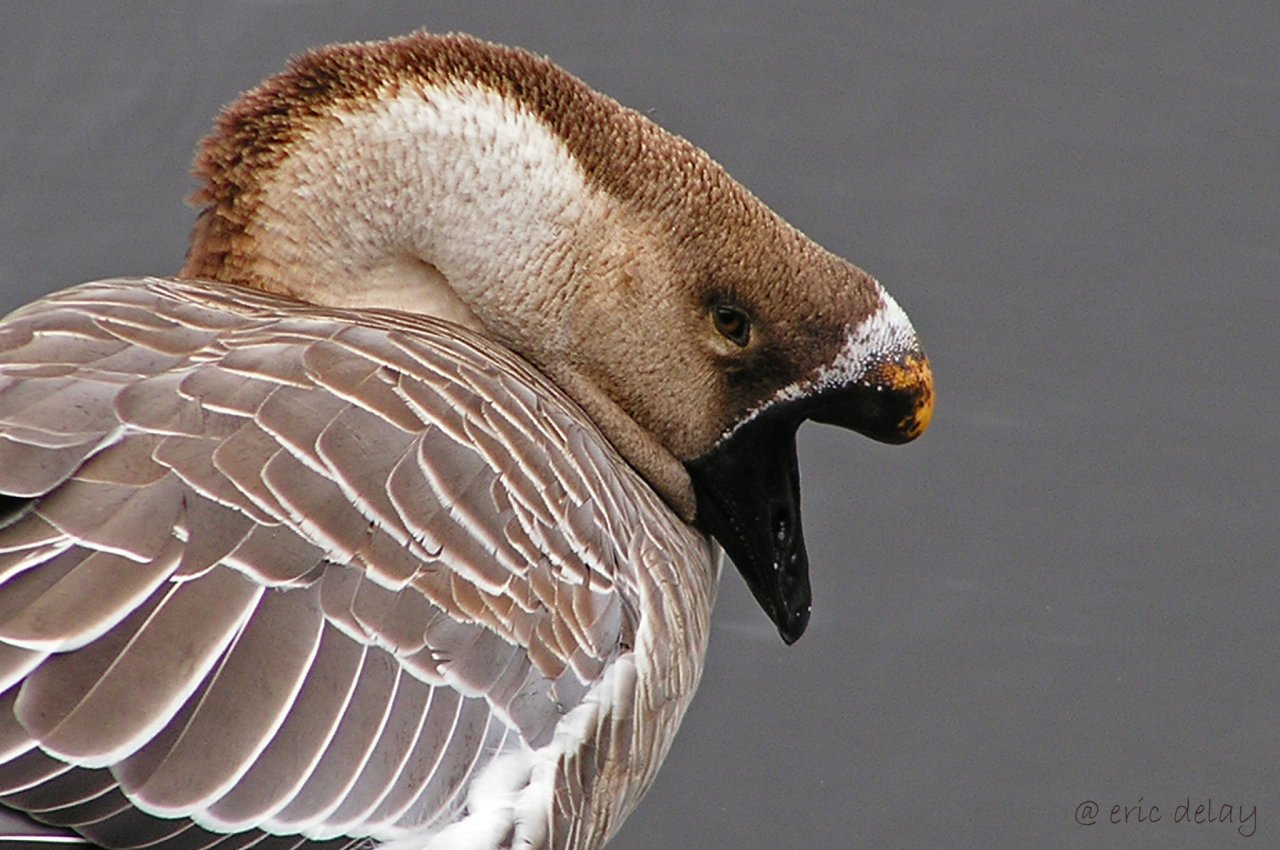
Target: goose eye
732, 323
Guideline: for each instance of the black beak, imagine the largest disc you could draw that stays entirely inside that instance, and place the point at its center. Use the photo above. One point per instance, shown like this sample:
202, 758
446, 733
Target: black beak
748, 485
748, 490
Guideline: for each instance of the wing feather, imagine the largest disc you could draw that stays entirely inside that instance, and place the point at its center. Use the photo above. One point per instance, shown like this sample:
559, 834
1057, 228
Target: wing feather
396, 621
31, 771
287, 569
342, 447
440, 793
213, 531
269, 659
124, 826
316, 506
75, 797
15, 664
275, 554
437, 726
241, 457
348, 751
344, 368
191, 459
387, 759
100, 704
99, 590
293, 754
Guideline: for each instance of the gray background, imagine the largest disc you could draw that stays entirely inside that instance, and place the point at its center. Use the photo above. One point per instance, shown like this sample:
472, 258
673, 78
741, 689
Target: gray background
1067, 590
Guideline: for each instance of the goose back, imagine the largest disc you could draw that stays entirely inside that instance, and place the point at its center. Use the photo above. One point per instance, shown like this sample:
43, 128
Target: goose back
276, 569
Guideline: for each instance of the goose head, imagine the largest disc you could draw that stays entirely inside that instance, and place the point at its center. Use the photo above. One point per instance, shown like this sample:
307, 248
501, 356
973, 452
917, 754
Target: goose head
484, 185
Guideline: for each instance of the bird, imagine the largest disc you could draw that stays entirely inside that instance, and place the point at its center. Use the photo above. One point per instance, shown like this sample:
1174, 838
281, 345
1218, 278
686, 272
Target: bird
396, 516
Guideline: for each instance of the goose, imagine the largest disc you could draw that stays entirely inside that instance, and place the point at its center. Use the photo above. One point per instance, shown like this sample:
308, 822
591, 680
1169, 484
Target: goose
397, 515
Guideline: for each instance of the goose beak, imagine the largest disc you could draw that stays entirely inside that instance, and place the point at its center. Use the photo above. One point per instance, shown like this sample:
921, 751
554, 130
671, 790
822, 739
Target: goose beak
748, 485
892, 403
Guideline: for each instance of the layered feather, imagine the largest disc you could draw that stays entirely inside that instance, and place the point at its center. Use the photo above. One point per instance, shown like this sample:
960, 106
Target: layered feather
276, 572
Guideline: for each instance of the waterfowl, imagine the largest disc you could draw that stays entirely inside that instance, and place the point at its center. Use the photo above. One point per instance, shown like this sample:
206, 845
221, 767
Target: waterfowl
398, 513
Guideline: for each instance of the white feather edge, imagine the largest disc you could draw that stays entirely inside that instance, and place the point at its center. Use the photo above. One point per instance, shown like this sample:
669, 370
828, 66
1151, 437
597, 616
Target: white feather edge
516, 789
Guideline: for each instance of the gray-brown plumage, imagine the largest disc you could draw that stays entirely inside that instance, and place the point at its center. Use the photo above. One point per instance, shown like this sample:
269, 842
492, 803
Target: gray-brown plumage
381, 528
